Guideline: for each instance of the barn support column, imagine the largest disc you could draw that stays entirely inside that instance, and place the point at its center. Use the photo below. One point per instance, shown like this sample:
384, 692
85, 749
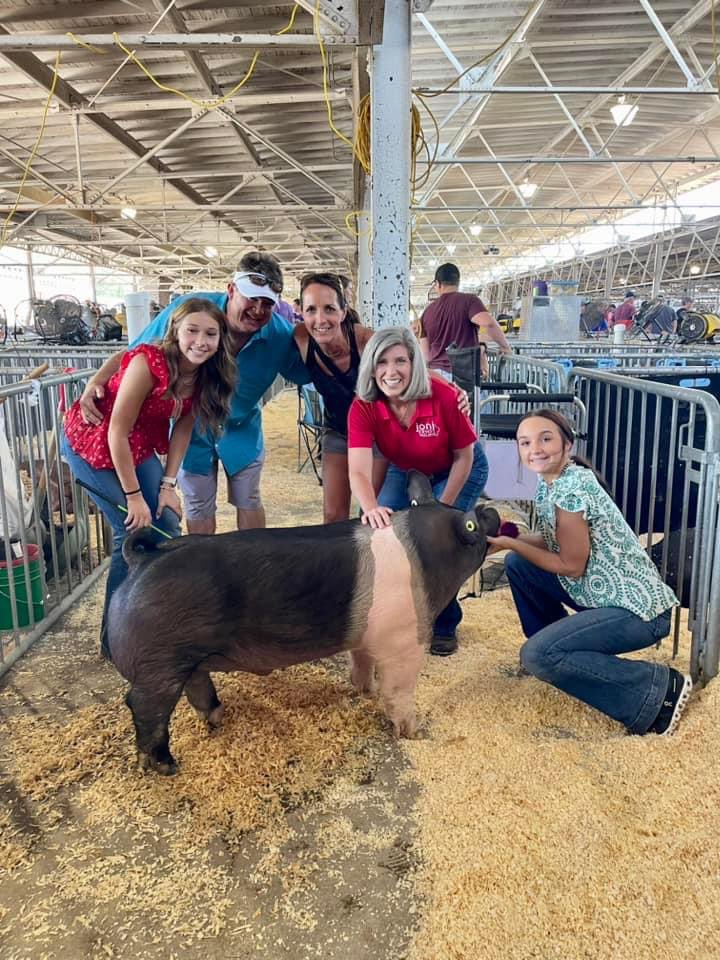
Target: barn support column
390, 178
30, 275
609, 275
657, 268
165, 286
364, 293
362, 60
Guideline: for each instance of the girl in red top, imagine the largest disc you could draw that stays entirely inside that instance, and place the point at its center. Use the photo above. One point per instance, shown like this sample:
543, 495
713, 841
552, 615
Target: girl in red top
416, 423
190, 374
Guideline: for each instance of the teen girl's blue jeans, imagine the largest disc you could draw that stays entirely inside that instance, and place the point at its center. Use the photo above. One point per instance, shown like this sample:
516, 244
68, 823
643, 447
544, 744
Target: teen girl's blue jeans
579, 654
106, 493
394, 495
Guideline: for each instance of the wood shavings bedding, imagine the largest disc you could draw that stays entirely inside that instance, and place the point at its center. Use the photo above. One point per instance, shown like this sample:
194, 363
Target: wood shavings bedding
546, 831
15, 846
282, 737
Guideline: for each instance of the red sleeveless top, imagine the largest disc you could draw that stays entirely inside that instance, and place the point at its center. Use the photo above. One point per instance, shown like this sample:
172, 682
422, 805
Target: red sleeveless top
151, 431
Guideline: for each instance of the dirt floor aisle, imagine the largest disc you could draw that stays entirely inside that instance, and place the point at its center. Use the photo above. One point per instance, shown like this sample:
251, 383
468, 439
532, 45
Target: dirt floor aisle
522, 825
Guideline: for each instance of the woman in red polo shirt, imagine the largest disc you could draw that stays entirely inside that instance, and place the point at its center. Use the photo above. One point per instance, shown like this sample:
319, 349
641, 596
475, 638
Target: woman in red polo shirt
415, 422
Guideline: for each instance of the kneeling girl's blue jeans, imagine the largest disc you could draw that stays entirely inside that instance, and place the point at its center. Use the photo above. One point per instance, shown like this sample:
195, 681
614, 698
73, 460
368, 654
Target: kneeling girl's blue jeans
579, 654
109, 494
394, 495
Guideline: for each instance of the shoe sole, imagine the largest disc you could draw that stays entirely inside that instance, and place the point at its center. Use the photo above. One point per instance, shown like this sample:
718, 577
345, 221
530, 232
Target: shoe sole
682, 702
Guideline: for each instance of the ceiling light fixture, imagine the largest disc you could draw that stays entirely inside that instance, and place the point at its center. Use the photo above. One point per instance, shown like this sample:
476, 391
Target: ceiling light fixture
450, 247
622, 113
694, 269
211, 252
128, 213
475, 229
527, 189
432, 262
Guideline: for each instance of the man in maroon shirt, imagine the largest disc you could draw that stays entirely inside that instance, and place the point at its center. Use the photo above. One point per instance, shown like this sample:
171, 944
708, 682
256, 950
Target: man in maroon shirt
625, 313
455, 318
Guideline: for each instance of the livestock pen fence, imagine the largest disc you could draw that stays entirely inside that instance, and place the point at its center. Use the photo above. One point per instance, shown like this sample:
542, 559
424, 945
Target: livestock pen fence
602, 347
551, 370
52, 545
28, 355
652, 429
658, 446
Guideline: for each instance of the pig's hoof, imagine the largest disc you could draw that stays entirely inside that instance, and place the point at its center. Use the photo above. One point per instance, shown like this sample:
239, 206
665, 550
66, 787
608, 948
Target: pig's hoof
166, 767
365, 685
406, 729
215, 717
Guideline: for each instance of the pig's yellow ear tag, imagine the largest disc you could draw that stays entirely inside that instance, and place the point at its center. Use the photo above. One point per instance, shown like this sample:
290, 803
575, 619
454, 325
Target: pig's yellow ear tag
470, 526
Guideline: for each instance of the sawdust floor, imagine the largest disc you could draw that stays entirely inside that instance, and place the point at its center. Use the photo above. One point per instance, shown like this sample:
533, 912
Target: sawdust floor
522, 825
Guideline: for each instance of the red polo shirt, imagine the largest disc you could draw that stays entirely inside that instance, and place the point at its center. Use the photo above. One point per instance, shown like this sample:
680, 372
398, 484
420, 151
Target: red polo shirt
437, 429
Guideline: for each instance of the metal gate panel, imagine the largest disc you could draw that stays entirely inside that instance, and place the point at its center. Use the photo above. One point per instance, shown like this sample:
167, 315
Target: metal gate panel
658, 447
72, 541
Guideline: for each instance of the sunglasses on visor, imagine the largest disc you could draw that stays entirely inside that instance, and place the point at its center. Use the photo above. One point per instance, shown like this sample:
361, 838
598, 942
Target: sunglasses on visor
260, 280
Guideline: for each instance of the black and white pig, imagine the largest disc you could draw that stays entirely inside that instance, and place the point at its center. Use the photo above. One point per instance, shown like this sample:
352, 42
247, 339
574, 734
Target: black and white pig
258, 600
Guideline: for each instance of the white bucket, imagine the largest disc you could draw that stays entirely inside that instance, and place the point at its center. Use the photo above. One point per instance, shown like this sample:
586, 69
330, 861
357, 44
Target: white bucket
137, 309
619, 333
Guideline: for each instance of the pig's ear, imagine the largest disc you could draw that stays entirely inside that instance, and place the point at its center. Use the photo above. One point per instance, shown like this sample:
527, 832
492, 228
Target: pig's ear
490, 519
419, 489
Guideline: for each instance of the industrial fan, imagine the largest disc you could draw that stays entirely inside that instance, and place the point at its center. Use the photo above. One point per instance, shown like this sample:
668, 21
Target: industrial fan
59, 320
695, 326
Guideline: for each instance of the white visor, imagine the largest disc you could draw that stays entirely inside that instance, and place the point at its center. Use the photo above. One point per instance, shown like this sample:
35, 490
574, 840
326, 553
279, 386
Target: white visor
246, 283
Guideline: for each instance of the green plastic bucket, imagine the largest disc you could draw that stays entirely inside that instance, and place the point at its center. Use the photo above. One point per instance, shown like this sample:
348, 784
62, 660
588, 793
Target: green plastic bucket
21, 595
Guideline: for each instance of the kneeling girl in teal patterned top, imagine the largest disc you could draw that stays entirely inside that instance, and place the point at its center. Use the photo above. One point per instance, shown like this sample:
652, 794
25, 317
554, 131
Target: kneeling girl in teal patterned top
587, 558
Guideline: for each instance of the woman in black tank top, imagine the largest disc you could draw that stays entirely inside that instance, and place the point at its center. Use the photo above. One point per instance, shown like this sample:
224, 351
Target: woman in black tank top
331, 345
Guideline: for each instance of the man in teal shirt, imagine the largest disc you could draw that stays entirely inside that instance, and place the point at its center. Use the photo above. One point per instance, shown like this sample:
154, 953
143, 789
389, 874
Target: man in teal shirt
264, 348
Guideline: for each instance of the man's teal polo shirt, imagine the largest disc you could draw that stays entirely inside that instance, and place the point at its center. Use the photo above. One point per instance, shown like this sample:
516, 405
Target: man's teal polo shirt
269, 352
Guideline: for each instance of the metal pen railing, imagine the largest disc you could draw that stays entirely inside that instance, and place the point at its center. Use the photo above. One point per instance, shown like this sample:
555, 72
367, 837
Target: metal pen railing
547, 375
658, 447
28, 355
53, 546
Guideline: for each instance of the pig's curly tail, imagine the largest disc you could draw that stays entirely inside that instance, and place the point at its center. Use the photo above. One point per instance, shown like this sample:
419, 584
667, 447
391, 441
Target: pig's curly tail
140, 545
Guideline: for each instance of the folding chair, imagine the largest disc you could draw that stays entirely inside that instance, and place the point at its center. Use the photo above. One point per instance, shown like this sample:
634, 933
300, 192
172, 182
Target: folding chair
310, 427
467, 369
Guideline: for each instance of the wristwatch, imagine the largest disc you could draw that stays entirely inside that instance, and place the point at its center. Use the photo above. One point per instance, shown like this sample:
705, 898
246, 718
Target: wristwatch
169, 482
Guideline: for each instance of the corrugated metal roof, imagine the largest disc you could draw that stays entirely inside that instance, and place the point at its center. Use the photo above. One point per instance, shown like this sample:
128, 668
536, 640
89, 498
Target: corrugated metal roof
276, 173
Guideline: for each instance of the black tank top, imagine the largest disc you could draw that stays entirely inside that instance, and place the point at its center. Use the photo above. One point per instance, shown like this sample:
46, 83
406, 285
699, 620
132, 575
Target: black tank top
338, 390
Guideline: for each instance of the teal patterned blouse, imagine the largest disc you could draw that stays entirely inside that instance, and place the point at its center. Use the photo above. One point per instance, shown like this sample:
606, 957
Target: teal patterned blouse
619, 573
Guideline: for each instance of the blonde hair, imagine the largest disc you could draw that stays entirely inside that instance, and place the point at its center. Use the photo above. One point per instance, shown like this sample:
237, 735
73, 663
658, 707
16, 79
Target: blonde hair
379, 342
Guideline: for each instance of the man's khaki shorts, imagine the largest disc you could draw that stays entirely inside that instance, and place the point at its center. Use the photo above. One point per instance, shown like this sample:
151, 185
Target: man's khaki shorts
200, 490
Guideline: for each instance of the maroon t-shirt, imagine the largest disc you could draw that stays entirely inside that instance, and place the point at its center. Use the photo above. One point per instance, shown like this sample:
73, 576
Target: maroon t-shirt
625, 313
446, 321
